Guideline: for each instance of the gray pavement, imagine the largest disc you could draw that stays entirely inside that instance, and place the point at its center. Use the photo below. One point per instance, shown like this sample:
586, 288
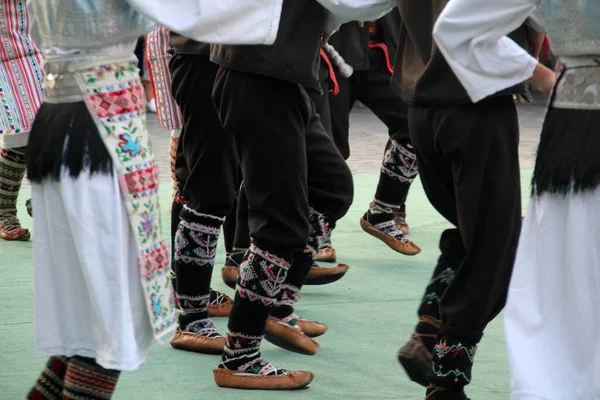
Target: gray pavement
368, 137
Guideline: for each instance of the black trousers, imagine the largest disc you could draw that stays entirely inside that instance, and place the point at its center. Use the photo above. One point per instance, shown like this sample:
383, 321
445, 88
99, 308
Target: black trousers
469, 165
372, 88
287, 158
208, 149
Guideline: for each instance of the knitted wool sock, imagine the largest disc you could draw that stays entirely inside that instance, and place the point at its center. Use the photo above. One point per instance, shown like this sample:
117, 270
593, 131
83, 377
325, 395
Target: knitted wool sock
50, 384
398, 171
12, 171
87, 380
429, 310
319, 232
259, 282
452, 362
284, 305
326, 242
383, 219
195, 248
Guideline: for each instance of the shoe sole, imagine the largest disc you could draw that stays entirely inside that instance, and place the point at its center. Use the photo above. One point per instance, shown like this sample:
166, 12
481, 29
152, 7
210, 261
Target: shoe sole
197, 349
233, 380
284, 344
325, 279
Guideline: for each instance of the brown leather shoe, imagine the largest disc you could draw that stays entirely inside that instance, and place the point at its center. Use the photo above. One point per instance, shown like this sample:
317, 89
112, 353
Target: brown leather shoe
325, 275
327, 255
238, 380
230, 275
289, 338
15, 235
221, 307
312, 329
416, 361
405, 246
189, 341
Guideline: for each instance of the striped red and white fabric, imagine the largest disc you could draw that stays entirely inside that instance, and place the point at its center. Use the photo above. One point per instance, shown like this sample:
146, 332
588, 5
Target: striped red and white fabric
157, 59
21, 74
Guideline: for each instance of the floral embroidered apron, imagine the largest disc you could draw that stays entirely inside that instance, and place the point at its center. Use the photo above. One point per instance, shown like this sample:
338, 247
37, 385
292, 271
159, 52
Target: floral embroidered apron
116, 100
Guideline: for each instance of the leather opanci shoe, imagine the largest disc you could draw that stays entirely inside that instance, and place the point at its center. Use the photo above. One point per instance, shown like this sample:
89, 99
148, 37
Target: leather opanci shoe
312, 329
401, 245
196, 343
230, 275
327, 255
289, 338
324, 275
220, 306
291, 380
416, 361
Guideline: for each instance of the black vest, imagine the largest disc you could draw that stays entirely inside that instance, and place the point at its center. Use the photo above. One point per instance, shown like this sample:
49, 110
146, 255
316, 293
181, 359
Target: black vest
294, 56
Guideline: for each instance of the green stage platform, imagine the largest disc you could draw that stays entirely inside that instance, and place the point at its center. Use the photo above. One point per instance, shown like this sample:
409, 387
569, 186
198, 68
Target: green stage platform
371, 313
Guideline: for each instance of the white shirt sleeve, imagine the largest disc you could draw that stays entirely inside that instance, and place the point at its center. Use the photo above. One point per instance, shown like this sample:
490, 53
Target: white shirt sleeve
471, 34
217, 21
342, 11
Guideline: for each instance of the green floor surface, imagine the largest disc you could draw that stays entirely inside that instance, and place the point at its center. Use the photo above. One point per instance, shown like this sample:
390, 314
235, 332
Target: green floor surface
371, 312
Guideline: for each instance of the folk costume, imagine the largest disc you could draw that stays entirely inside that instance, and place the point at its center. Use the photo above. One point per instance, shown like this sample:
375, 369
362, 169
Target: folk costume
371, 50
296, 183
555, 285
95, 184
467, 154
21, 95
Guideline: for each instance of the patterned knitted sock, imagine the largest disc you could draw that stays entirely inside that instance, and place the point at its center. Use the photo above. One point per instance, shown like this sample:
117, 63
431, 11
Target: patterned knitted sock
320, 229
382, 217
176, 208
86, 380
260, 280
12, 172
195, 248
452, 362
429, 310
50, 384
284, 305
398, 171
326, 243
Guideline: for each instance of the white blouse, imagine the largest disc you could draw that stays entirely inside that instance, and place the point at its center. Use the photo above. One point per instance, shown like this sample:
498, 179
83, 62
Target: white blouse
247, 21
471, 34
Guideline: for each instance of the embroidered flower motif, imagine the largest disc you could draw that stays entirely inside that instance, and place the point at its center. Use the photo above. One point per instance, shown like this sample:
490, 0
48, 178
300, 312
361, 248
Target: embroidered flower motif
130, 145
157, 307
148, 222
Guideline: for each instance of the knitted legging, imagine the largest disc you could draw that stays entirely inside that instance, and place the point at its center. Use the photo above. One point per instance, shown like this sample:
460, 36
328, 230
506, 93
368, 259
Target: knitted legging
12, 172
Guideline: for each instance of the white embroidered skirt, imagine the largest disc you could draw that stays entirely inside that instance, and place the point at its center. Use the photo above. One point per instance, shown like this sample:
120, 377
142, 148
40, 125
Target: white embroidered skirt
552, 318
89, 299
